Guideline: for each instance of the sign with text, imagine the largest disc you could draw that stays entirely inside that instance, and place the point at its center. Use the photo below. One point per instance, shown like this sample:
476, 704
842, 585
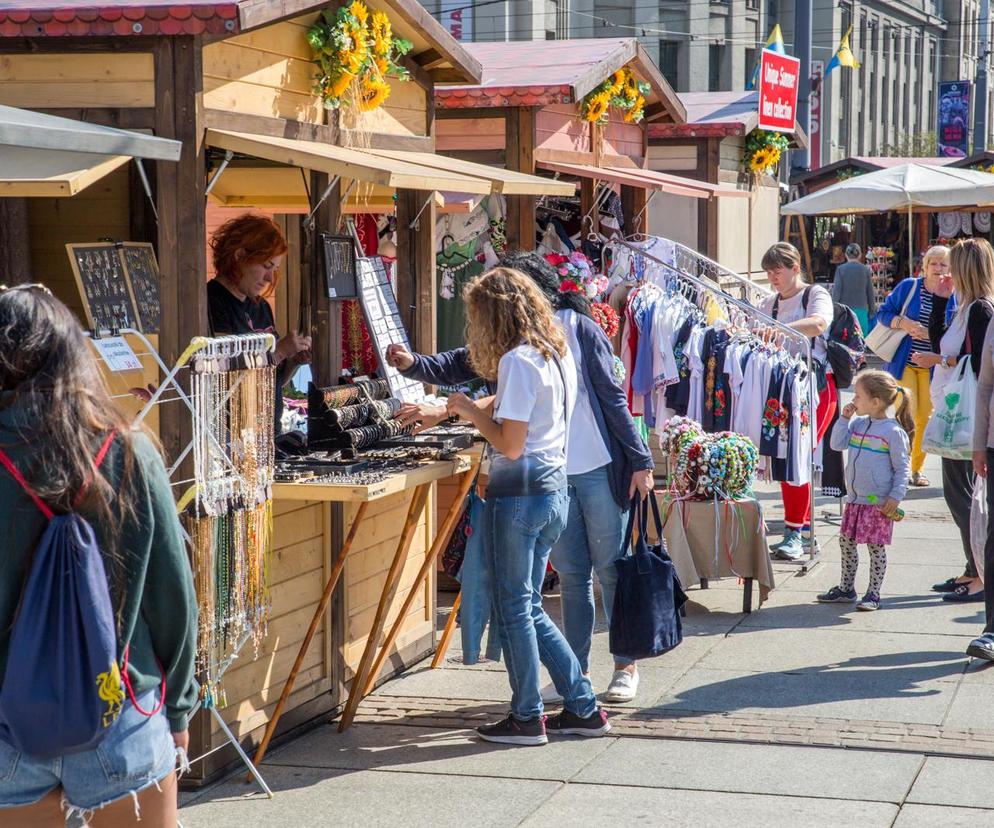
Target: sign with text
814, 132
778, 83
117, 353
456, 17
953, 128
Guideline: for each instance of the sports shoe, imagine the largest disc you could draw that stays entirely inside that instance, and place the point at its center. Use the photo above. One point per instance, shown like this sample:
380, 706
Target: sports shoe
569, 724
870, 602
837, 595
511, 731
806, 533
982, 647
623, 686
792, 548
776, 546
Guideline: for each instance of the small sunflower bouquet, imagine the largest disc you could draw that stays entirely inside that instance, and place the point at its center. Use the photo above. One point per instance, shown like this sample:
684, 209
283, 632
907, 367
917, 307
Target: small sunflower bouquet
356, 52
763, 151
622, 90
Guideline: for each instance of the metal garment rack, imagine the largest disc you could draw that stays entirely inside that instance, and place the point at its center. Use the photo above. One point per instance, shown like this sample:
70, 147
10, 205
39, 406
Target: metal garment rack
814, 553
171, 384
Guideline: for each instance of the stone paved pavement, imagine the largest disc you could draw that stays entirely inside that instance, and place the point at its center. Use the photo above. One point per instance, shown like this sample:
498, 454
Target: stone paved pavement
796, 713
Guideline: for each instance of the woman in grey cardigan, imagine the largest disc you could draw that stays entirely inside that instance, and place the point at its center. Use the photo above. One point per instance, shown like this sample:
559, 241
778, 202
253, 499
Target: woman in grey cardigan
853, 286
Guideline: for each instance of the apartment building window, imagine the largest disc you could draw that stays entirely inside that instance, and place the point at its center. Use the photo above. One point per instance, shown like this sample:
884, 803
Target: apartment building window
669, 53
714, 67
750, 64
752, 5
556, 19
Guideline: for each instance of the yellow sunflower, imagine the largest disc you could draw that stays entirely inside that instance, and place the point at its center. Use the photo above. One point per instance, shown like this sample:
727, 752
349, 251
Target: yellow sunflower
359, 11
382, 33
372, 93
618, 81
354, 55
382, 66
597, 106
634, 115
631, 88
764, 158
339, 84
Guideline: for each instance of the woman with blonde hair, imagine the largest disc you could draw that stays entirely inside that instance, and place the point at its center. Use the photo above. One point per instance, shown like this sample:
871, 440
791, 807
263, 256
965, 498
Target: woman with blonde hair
516, 344
908, 309
961, 312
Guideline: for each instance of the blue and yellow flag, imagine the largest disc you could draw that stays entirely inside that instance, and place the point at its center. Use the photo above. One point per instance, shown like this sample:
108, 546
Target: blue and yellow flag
775, 44
843, 55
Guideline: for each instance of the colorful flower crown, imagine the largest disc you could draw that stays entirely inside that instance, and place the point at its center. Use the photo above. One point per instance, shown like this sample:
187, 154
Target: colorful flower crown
578, 274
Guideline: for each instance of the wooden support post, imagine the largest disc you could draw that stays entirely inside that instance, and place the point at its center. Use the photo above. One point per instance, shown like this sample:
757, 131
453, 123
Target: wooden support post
713, 167
430, 561
329, 589
322, 316
416, 267
15, 248
450, 628
386, 598
633, 200
519, 155
587, 190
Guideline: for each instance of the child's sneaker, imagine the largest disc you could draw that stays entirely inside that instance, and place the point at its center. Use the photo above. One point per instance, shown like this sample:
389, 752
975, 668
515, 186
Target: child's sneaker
870, 602
837, 595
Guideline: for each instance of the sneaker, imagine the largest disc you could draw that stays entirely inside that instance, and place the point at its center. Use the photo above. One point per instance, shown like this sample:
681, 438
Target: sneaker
623, 686
569, 724
776, 546
513, 731
870, 602
792, 548
982, 647
806, 533
837, 595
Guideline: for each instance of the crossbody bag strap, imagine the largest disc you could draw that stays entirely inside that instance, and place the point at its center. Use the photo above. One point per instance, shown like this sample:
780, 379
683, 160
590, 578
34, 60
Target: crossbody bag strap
14, 472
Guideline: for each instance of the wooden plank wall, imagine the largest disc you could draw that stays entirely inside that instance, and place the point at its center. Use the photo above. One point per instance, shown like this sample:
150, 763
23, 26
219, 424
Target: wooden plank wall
77, 80
266, 73
453, 134
621, 138
405, 112
560, 127
300, 566
673, 157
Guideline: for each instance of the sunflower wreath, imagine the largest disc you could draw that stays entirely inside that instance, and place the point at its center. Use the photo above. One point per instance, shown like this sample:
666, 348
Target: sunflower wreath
763, 151
622, 90
355, 51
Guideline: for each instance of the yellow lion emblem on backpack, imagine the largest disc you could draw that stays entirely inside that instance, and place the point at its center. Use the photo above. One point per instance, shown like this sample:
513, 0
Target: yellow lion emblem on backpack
110, 690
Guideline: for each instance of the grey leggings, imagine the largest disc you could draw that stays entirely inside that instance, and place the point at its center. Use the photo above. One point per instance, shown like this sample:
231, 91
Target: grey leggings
957, 489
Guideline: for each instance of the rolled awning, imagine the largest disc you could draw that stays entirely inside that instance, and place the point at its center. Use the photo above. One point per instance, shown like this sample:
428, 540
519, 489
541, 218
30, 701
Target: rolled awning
644, 179
31, 172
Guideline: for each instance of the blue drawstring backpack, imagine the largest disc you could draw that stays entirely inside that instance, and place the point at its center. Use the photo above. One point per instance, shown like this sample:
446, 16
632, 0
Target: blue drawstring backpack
62, 687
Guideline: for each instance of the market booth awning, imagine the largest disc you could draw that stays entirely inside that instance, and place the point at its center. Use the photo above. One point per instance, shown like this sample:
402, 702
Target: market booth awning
645, 180
29, 172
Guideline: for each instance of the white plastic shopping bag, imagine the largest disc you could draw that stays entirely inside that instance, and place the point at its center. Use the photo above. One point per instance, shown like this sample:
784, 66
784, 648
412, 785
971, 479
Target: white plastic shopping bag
978, 523
949, 432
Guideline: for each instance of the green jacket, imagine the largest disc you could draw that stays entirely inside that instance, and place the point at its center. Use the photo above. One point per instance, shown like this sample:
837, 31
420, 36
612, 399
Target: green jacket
159, 616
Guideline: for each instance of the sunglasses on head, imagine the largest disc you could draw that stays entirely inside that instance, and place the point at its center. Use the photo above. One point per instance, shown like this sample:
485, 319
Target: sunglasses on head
31, 286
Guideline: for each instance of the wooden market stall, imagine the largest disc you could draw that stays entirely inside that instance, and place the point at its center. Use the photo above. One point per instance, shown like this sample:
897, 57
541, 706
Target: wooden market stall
528, 114
233, 82
711, 145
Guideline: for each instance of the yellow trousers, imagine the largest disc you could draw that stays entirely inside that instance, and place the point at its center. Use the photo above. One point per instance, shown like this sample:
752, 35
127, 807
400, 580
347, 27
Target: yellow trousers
916, 379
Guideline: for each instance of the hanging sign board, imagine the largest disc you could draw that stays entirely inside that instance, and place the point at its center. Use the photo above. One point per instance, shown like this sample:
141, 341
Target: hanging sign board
953, 126
103, 286
778, 85
117, 353
339, 266
142, 271
385, 325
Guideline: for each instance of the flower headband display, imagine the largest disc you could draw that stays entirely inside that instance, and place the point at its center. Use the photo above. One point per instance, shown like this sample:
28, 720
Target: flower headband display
708, 465
578, 274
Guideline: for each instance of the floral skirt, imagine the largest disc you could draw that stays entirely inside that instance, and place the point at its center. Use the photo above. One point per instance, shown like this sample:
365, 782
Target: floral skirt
867, 524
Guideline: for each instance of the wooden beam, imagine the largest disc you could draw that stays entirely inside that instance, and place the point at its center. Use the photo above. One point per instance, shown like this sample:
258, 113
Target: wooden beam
646, 66
419, 74
555, 156
262, 125
603, 69
15, 247
322, 316
75, 45
713, 169
586, 206
416, 267
430, 60
633, 201
474, 113
657, 112
519, 154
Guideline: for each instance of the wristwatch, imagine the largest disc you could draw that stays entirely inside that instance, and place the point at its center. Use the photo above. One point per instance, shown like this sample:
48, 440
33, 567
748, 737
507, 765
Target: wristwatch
944, 362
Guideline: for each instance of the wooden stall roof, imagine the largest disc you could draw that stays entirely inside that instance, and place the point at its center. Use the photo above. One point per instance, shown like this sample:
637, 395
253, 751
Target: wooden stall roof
824, 176
526, 73
435, 50
26, 171
719, 115
646, 180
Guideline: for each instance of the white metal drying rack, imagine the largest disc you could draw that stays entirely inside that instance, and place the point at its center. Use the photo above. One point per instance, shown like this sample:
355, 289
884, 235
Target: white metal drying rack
754, 313
171, 383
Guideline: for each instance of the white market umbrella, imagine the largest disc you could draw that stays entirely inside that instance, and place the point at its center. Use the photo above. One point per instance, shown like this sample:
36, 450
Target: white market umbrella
905, 187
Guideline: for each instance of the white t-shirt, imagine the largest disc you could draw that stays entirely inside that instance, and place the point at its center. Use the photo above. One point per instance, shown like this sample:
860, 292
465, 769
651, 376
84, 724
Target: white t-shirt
791, 310
531, 389
585, 448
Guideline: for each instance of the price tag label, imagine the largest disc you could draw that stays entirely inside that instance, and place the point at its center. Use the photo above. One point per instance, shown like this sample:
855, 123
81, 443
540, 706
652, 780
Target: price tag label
117, 353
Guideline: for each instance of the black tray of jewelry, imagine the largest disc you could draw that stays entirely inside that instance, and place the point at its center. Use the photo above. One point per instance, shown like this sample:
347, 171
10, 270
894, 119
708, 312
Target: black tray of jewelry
326, 464
449, 441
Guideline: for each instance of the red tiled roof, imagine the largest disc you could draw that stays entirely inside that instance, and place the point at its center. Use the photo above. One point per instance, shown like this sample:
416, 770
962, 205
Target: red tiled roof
45, 18
468, 97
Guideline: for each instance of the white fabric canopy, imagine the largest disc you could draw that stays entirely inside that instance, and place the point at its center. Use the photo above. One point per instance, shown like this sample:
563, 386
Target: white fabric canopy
906, 187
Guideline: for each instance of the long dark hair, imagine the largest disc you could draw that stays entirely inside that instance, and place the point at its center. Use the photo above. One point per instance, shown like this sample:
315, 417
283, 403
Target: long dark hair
545, 276
64, 411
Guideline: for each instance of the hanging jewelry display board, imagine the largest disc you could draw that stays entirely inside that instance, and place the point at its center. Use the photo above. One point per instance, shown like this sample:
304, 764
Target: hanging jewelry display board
118, 283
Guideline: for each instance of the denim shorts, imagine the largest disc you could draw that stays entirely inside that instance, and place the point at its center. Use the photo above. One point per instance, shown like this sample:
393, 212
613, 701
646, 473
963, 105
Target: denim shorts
136, 752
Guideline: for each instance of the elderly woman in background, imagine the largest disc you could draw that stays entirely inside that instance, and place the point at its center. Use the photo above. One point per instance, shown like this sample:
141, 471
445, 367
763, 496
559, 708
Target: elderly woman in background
853, 286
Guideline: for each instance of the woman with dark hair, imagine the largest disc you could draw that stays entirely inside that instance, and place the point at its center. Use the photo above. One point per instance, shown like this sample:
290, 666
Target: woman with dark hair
54, 416
606, 461
247, 253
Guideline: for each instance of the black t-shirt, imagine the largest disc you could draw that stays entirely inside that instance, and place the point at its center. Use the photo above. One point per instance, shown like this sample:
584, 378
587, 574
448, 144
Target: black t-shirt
227, 314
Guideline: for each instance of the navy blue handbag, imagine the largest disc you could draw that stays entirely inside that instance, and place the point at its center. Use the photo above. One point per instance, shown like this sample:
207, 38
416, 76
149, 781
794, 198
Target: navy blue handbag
62, 687
645, 619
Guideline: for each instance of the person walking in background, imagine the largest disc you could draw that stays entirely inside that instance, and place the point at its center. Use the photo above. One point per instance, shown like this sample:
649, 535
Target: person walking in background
962, 308
908, 308
983, 460
853, 286
55, 415
876, 479
516, 344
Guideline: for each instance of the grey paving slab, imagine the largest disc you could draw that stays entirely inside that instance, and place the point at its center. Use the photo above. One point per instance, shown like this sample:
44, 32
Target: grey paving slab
421, 750
831, 650
601, 805
978, 671
894, 695
929, 816
318, 799
972, 708
962, 782
759, 769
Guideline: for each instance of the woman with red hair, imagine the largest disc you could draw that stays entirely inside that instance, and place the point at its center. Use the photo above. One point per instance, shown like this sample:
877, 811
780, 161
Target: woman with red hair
247, 253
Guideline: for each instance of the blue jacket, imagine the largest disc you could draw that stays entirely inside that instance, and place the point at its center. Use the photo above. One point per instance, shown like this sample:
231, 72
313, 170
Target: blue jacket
629, 453
891, 308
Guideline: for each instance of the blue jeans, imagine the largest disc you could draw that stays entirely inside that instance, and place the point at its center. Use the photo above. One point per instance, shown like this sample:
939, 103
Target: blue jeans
136, 752
591, 542
520, 532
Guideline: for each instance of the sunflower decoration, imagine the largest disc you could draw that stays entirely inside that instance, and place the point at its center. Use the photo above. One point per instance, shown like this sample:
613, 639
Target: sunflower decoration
637, 112
596, 106
355, 52
618, 81
763, 151
623, 91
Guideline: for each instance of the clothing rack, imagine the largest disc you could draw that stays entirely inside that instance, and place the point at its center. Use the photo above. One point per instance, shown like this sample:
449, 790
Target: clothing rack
750, 312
